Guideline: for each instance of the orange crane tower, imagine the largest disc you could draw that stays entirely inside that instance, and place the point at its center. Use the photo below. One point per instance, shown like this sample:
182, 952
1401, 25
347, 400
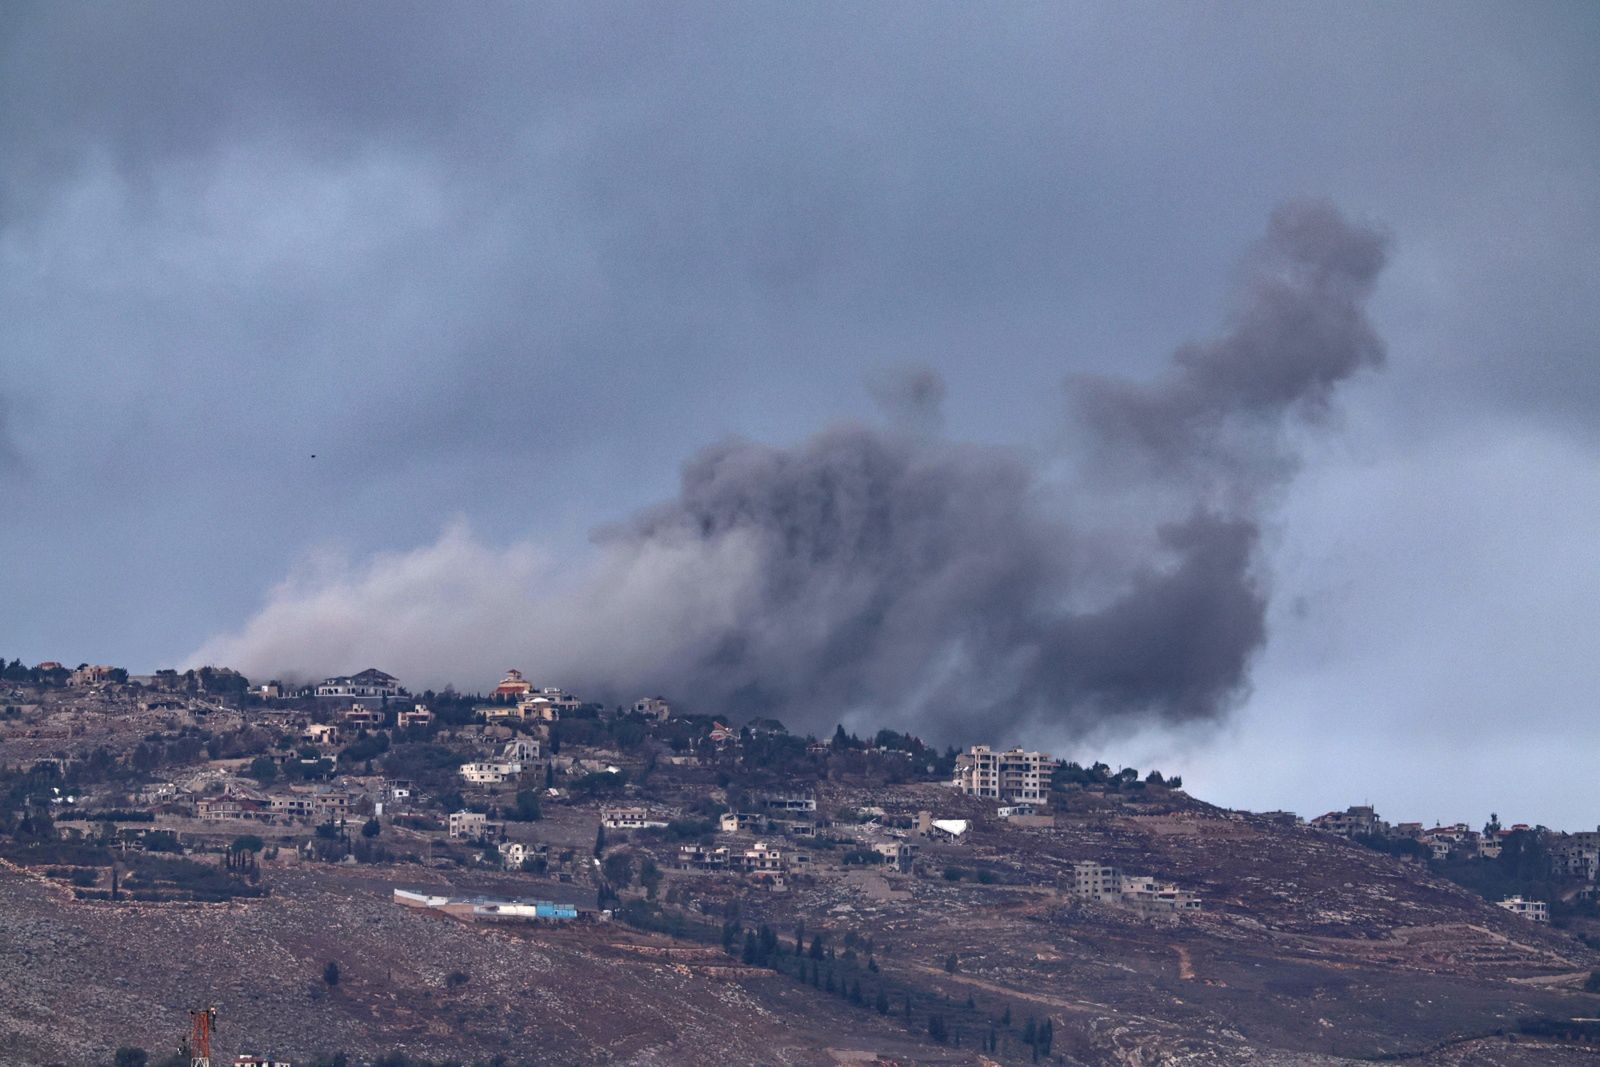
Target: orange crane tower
197, 1046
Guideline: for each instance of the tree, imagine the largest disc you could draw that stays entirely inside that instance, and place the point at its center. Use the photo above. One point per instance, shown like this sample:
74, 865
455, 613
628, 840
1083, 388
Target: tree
881, 1002
526, 808
248, 843
263, 770
371, 828
618, 868
649, 877
937, 1030
600, 840
950, 963
330, 974
130, 1056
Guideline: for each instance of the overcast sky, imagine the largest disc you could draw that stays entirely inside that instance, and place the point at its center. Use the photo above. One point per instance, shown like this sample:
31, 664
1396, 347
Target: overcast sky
504, 275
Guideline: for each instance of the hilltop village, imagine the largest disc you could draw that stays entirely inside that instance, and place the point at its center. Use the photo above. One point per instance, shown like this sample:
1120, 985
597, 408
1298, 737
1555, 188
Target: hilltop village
357, 770
920, 889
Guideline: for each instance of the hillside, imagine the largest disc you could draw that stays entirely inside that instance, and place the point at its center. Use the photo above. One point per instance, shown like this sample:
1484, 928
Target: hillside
871, 933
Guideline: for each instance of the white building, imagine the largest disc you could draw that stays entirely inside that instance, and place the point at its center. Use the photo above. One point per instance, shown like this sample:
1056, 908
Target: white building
320, 733
1536, 910
538, 708
370, 684
491, 772
631, 819
1015, 777
520, 749
514, 853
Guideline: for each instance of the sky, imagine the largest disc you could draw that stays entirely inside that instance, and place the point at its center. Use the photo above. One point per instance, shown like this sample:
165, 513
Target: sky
574, 338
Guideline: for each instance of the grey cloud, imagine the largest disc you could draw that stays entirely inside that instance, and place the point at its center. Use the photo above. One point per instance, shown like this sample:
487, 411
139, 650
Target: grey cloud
11, 464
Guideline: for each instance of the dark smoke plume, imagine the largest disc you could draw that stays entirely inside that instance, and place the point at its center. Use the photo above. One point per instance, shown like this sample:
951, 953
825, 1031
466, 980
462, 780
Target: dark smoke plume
896, 577
927, 582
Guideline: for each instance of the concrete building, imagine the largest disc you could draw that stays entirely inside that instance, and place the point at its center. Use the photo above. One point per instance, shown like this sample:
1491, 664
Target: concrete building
1092, 880
653, 708
789, 802
514, 853
491, 772
1015, 777
521, 749
1104, 884
703, 858
1536, 910
735, 822
897, 854
321, 733
1143, 893
470, 824
361, 717
1357, 821
559, 698
91, 675
419, 715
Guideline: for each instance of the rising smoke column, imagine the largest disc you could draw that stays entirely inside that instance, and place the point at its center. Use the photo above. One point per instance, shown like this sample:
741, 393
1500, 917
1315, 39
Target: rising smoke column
906, 579
926, 581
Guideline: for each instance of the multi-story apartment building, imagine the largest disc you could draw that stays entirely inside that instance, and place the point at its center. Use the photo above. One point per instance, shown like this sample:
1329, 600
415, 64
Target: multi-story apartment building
1013, 777
1092, 880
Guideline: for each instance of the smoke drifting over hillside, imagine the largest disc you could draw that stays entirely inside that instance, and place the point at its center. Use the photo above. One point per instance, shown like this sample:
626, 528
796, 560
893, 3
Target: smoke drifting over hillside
898, 573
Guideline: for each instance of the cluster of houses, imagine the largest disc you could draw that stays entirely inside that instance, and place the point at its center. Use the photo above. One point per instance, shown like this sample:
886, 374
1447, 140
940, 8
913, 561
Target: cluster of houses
1572, 856
765, 862
1460, 841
